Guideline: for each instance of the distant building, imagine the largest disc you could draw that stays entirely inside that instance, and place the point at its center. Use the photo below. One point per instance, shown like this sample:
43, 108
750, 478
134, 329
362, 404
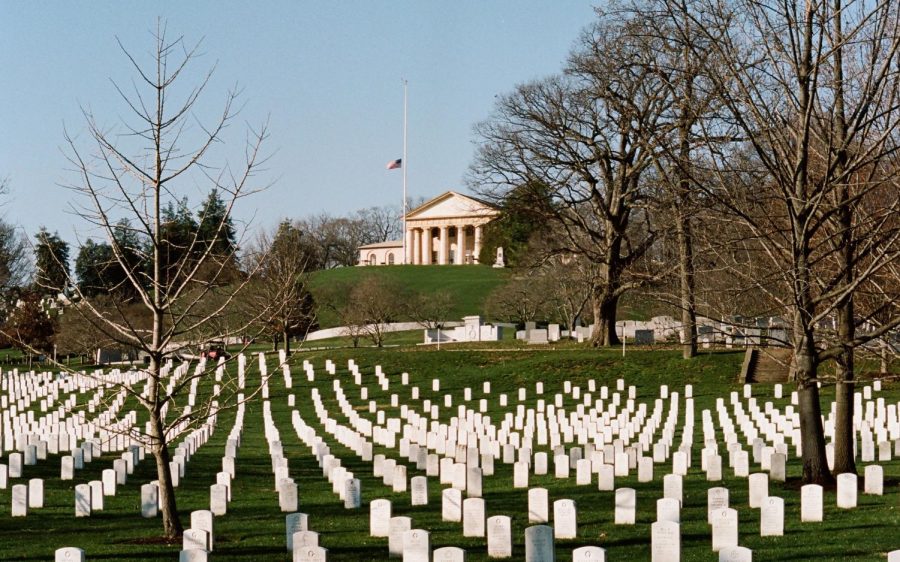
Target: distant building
446, 230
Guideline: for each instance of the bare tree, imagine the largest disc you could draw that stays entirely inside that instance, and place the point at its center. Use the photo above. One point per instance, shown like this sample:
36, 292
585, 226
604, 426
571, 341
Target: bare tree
581, 136
132, 172
281, 284
813, 147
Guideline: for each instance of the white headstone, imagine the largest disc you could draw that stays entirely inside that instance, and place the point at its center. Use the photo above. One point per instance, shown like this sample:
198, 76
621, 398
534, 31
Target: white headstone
811, 503
19, 500
448, 554
194, 539
293, 523
379, 518
626, 505
771, 522
539, 545
218, 499
668, 509
83, 500
736, 554
473, 517
310, 554
352, 493
565, 520
499, 536
665, 541
96, 495
69, 554
149, 500
398, 525
538, 505
202, 519
759, 488
419, 493
416, 546
716, 499
451, 505
35, 493
874, 480
589, 554
846, 490
724, 529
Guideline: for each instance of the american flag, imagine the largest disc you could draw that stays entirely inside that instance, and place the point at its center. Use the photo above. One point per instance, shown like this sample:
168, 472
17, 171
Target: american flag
394, 164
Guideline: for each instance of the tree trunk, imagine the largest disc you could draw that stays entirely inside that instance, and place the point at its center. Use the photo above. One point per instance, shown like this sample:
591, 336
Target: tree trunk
686, 278
172, 528
286, 342
605, 304
844, 435
812, 434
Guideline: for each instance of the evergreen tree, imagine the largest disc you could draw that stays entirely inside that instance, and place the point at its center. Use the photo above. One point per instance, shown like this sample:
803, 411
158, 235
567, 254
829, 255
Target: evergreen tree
215, 227
51, 258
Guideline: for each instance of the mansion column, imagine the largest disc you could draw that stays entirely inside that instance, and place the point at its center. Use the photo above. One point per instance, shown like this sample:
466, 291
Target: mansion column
460, 245
477, 251
444, 250
410, 246
417, 247
427, 245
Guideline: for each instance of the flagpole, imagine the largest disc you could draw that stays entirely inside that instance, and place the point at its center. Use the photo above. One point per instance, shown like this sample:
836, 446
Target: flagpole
404, 165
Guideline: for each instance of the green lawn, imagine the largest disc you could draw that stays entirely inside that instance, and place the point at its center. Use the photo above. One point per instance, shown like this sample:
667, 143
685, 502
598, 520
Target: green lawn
468, 286
253, 529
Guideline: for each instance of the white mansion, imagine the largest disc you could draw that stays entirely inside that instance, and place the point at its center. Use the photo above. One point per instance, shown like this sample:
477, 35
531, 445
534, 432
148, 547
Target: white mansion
445, 230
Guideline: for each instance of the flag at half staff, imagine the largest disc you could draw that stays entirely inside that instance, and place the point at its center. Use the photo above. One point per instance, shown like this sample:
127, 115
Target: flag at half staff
394, 164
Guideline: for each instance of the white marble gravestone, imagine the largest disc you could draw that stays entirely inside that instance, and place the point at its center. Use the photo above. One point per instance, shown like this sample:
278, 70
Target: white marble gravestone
538, 505
759, 488
811, 503
736, 554
202, 519
35, 493
218, 499
499, 536
846, 490
451, 505
771, 517
673, 487
716, 498
287, 496
96, 495
565, 519
109, 482
419, 490
668, 509
194, 539
589, 554
665, 541
69, 554
149, 500
379, 518
448, 554
19, 500
310, 554
724, 529
473, 517
296, 522
398, 525
539, 545
416, 546
83, 500
874, 480
352, 493
626, 505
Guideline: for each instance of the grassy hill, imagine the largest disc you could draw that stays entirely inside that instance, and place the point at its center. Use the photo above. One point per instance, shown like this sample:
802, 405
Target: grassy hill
469, 286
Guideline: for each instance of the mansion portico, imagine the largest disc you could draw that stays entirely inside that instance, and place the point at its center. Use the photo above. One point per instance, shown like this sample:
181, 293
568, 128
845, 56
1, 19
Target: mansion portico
446, 230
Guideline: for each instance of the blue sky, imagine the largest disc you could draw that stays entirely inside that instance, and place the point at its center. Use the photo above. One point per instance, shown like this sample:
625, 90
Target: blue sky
327, 75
